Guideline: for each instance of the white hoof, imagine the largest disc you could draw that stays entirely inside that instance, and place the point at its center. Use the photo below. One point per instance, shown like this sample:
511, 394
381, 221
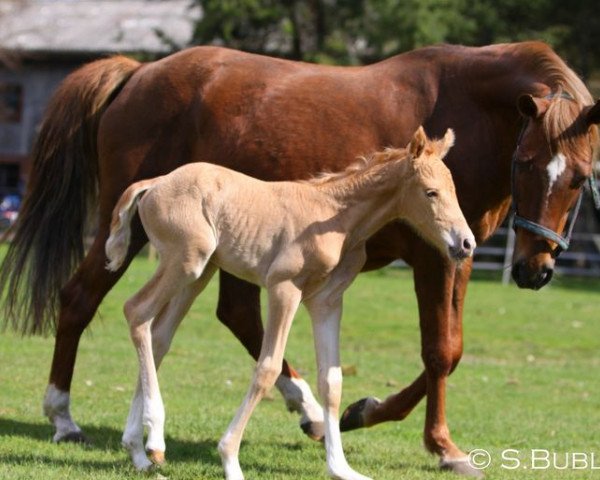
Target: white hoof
230, 461
137, 454
347, 473
141, 462
232, 469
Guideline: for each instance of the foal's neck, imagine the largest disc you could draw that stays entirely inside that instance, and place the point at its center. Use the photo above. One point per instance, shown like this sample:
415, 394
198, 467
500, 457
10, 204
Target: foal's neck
368, 199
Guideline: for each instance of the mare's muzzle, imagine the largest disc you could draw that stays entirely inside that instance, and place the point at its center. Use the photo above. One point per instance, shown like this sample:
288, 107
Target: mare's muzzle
526, 275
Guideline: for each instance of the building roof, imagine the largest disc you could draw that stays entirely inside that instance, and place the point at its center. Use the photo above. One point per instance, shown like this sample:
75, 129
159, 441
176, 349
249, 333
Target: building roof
90, 27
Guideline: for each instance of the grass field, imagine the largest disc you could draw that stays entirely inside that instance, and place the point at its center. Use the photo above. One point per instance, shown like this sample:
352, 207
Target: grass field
528, 382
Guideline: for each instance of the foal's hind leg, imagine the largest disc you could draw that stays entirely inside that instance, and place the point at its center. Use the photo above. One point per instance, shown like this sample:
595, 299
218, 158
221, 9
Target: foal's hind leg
167, 283
284, 299
239, 310
163, 330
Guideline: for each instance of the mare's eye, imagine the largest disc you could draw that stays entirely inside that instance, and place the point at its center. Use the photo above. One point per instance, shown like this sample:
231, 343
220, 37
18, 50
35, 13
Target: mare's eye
525, 164
431, 193
578, 180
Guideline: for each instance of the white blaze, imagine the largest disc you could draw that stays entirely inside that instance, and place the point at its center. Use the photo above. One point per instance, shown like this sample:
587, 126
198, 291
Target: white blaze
555, 169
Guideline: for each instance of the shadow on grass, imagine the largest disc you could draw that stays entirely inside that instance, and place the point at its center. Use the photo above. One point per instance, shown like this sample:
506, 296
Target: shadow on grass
178, 451
107, 439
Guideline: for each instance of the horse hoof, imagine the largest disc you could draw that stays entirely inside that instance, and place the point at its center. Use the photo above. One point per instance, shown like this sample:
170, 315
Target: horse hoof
157, 457
461, 466
314, 430
73, 437
353, 416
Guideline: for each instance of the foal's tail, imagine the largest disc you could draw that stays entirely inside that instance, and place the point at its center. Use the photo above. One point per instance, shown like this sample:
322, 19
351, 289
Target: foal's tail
117, 244
47, 243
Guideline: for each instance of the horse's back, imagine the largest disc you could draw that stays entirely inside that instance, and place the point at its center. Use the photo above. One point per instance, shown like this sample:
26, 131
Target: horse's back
270, 118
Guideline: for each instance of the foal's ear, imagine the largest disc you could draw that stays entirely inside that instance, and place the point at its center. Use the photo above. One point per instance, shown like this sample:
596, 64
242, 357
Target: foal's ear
532, 107
447, 142
593, 115
417, 144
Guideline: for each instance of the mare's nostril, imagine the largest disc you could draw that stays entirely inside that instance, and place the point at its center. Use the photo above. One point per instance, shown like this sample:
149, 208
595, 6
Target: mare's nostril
467, 245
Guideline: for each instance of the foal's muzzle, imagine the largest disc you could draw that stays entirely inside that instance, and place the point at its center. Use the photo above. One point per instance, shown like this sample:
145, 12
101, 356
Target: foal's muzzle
463, 246
534, 278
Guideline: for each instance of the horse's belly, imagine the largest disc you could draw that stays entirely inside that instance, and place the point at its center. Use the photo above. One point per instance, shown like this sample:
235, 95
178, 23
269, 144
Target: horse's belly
239, 264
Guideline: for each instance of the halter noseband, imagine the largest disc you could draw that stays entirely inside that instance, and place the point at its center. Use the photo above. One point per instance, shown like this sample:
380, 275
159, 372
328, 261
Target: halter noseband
562, 242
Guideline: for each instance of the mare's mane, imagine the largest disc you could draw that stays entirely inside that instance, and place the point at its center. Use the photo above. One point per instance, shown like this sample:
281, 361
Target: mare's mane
562, 120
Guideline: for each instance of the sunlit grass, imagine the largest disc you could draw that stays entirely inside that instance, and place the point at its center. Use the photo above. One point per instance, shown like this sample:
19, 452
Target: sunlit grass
528, 380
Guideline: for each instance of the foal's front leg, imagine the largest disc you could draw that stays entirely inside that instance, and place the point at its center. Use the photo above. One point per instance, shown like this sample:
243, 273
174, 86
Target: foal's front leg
326, 316
325, 309
239, 310
284, 299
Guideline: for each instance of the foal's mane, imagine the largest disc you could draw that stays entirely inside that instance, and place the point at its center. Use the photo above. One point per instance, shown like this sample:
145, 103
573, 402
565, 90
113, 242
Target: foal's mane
562, 120
361, 165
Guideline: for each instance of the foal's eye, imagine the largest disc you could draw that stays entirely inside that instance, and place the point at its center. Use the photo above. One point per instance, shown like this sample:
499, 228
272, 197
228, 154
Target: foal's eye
431, 193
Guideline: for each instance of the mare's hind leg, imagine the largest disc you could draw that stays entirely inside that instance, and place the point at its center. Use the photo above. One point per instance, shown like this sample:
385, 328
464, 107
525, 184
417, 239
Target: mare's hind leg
163, 330
239, 310
79, 300
284, 299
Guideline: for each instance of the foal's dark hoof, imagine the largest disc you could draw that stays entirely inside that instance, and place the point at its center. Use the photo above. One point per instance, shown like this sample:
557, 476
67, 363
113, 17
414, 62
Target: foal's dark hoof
314, 430
462, 467
74, 437
353, 417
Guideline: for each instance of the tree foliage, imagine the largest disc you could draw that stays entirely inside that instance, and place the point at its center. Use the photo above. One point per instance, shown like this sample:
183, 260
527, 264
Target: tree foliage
359, 31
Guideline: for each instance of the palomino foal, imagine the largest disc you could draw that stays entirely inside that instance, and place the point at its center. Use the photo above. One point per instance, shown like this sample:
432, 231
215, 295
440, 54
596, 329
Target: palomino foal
302, 241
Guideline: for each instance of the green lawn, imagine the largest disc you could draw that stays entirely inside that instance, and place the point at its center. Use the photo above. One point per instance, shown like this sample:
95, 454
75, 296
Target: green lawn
528, 380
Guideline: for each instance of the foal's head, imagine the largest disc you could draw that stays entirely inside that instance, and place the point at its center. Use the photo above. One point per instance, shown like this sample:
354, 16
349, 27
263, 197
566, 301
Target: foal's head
430, 202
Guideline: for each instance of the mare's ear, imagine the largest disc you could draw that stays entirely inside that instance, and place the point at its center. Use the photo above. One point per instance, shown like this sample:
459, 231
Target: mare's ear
593, 115
532, 107
417, 144
447, 142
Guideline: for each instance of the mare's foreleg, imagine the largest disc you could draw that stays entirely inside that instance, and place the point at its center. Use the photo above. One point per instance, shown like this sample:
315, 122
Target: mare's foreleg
370, 411
284, 299
239, 310
163, 330
441, 300
78, 303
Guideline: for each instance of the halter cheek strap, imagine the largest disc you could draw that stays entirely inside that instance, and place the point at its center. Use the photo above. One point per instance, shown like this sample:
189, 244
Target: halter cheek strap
561, 242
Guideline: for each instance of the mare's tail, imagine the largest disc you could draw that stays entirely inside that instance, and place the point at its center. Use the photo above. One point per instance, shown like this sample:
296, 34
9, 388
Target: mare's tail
117, 244
47, 242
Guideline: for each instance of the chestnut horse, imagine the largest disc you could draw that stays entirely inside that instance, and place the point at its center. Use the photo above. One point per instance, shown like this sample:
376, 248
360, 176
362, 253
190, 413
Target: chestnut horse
116, 121
302, 241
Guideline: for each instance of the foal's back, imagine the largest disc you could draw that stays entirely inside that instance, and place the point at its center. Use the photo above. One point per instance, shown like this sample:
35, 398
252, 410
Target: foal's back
249, 226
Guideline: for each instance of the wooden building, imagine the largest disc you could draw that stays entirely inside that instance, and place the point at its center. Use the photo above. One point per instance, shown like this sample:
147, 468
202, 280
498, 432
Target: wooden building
41, 41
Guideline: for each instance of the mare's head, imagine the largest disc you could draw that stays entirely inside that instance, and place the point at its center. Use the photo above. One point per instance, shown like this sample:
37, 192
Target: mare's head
552, 161
430, 202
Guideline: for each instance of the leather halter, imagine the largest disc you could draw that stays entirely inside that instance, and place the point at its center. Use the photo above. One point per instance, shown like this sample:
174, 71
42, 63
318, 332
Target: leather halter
562, 241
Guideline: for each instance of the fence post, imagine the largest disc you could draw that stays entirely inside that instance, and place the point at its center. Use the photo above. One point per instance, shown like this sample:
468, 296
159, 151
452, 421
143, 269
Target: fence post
508, 252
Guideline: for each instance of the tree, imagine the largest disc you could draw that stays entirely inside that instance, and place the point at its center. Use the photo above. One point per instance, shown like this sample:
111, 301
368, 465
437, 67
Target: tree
359, 31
